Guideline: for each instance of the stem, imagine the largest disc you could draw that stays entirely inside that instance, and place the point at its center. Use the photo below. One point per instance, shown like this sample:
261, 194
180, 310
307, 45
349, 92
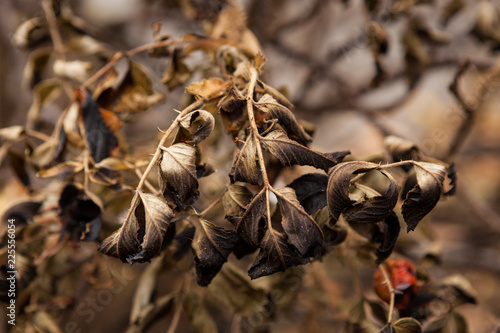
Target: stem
212, 205
253, 125
392, 292
156, 156
54, 32
120, 55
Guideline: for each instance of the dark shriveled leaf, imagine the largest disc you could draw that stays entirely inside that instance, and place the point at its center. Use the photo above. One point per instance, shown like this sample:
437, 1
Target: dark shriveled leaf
178, 181
425, 195
390, 232
204, 130
311, 191
250, 226
234, 201
276, 255
80, 217
125, 242
377, 208
100, 140
339, 182
407, 325
157, 216
245, 167
290, 152
301, 229
285, 118
22, 213
214, 249
141, 237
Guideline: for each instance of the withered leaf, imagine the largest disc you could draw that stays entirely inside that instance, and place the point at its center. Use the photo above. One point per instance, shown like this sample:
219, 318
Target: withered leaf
141, 236
157, 217
234, 201
339, 182
407, 325
276, 255
205, 129
133, 94
177, 73
125, 242
22, 212
12, 133
301, 229
401, 150
311, 191
178, 180
214, 249
62, 170
182, 243
100, 140
425, 195
377, 208
390, 232
290, 152
242, 248
208, 88
81, 218
49, 151
285, 118
233, 114
250, 226
244, 166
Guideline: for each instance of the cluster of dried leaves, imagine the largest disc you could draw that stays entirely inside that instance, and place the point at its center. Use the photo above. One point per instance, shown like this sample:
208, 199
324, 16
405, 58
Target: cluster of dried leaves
278, 225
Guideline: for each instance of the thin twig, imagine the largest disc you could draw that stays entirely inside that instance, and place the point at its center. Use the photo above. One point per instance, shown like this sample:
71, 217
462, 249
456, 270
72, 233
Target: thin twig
392, 291
54, 32
156, 156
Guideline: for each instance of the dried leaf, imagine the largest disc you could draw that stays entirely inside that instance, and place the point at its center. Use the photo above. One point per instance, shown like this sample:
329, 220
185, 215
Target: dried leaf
204, 130
18, 166
177, 73
178, 180
49, 151
250, 226
374, 209
407, 325
463, 290
425, 195
31, 32
12, 133
339, 182
402, 150
22, 212
208, 89
157, 216
234, 201
99, 139
301, 229
75, 70
81, 218
213, 251
276, 255
134, 94
44, 92
390, 232
113, 163
63, 170
311, 191
244, 166
290, 152
285, 118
